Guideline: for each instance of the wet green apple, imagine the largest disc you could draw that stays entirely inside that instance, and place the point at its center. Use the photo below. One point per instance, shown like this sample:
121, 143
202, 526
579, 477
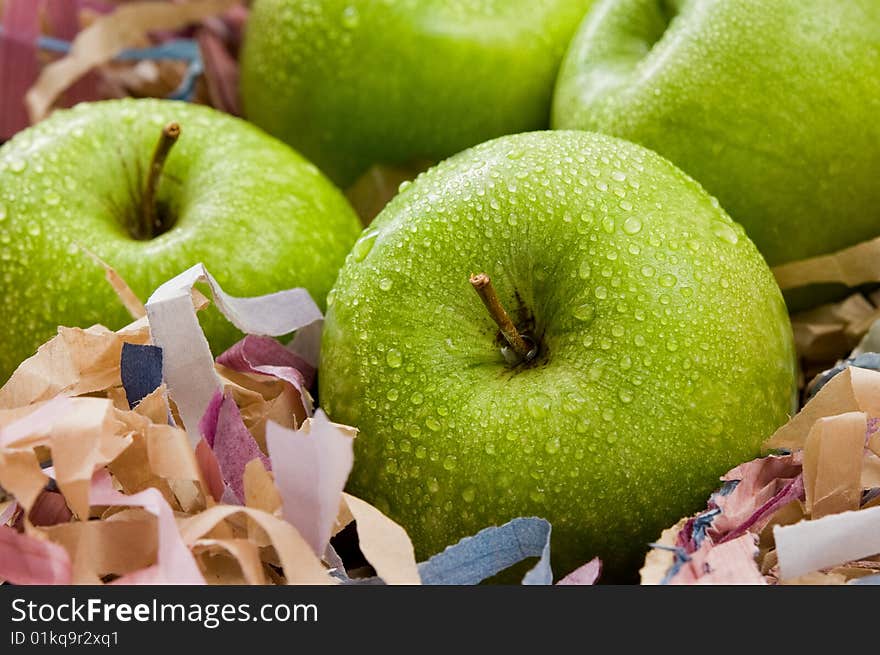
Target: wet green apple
771, 105
258, 215
662, 348
350, 83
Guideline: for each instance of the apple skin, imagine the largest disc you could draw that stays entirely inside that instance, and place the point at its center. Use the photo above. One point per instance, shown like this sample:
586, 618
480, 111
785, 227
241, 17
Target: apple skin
771, 105
350, 83
666, 350
258, 215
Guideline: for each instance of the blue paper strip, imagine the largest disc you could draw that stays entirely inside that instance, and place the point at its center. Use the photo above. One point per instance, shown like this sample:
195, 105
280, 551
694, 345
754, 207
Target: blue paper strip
490, 551
870, 580
141, 371
178, 49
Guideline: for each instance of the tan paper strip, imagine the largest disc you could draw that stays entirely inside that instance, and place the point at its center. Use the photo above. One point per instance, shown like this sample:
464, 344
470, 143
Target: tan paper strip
833, 464
107, 37
300, 564
852, 266
384, 543
853, 390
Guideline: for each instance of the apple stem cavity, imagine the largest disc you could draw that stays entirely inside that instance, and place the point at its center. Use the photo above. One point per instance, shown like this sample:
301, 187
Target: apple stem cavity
523, 348
151, 224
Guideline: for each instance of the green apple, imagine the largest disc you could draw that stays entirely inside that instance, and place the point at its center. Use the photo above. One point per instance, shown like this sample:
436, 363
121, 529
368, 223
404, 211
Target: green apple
664, 351
258, 215
771, 105
350, 83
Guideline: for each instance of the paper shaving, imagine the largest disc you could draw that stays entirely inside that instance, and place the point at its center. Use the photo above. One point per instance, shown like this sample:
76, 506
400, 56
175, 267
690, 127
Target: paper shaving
584, 575
28, 560
490, 551
128, 500
311, 466
805, 517
188, 368
384, 543
859, 264
107, 37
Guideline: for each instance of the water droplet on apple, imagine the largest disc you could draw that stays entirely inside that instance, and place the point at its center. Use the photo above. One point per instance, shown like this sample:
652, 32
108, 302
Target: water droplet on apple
618, 176
536, 496
421, 452
34, 229
394, 358
468, 495
625, 363
671, 345
667, 280
572, 402
433, 424
417, 398
51, 198
385, 284
17, 165
724, 232
584, 270
608, 224
449, 463
632, 225
350, 17
364, 245
626, 206
392, 395
584, 312
538, 405
600, 292
648, 270
625, 396
432, 485
552, 447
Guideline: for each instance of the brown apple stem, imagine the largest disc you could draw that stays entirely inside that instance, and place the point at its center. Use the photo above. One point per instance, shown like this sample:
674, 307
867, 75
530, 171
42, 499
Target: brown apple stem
482, 284
149, 215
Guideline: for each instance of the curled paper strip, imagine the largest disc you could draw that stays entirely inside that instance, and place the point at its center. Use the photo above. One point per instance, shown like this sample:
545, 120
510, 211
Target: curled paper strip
490, 551
859, 264
189, 366
384, 543
28, 560
107, 37
311, 467
809, 546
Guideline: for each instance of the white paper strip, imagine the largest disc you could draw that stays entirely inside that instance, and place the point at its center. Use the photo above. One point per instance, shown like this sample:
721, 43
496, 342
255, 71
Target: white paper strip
835, 539
311, 466
187, 362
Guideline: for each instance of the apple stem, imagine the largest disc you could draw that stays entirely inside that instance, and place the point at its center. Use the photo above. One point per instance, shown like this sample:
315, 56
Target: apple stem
150, 218
482, 284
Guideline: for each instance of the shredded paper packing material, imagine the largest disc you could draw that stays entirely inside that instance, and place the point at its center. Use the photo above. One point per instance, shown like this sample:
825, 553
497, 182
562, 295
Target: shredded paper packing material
134, 457
806, 516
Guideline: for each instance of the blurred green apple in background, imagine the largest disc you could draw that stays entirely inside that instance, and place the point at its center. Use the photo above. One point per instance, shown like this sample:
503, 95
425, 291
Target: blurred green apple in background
258, 215
661, 355
350, 83
772, 105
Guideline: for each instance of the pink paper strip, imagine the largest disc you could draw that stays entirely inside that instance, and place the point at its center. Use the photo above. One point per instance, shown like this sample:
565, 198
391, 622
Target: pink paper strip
19, 66
584, 575
311, 467
232, 443
174, 562
27, 560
